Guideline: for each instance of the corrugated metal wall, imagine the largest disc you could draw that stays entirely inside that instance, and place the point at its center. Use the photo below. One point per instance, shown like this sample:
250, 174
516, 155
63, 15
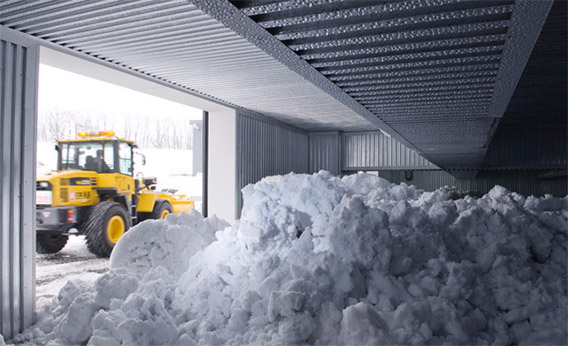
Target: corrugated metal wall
525, 182
18, 89
265, 148
325, 152
376, 151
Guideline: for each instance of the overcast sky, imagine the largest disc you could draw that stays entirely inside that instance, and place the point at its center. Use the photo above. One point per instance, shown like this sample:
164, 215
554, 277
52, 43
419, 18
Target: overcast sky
60, 89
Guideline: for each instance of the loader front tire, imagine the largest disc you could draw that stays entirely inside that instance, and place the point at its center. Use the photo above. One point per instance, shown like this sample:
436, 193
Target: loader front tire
50, 243
161, 209
106, 223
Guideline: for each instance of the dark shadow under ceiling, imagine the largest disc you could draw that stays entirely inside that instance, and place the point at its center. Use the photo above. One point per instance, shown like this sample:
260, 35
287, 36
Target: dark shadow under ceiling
533, 132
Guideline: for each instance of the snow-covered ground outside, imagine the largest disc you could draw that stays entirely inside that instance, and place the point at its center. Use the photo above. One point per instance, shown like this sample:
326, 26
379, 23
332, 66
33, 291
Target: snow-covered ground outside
317, 259
73, 262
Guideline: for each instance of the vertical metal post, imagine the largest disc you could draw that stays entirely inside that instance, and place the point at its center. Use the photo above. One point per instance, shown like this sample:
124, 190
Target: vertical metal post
19, 65
205, 161
239, 173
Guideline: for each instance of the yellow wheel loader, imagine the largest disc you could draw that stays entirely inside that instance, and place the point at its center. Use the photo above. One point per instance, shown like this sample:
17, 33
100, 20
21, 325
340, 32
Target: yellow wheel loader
94, 192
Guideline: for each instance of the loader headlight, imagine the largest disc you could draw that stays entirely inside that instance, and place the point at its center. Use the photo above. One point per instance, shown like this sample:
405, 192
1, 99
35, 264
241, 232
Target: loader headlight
44, 184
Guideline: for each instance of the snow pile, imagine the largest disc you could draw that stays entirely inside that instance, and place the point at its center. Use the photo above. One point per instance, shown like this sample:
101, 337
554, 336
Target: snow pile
321, 260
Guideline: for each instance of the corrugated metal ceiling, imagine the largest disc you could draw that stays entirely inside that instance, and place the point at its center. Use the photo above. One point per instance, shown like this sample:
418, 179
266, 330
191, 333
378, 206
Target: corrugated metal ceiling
436, 74
175, 42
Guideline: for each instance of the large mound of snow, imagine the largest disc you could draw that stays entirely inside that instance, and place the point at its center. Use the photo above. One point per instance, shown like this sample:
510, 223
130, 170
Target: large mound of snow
321, 260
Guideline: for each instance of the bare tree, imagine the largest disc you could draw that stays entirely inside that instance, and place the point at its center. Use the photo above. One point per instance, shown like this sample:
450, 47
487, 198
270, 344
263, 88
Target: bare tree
164, 133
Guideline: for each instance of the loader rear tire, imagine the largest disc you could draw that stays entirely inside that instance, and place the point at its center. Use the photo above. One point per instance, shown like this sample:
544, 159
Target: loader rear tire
50, 243
106, 223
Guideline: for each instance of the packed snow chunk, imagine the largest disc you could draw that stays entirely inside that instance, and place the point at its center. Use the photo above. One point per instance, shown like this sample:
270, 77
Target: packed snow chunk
116, 284
550, 337
67, 320
277, 209
105, 331
365, 183
75, 327
147, 322
2, 342
139, 317
443, 213
362, 325
296, 328
284, 304
168, 243
360, 234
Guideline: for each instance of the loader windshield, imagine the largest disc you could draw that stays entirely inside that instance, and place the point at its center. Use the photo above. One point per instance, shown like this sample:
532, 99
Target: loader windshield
88, 156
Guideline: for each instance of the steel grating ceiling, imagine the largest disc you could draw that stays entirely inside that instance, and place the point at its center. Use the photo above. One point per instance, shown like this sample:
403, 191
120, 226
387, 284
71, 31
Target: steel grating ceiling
427, 69
435, 74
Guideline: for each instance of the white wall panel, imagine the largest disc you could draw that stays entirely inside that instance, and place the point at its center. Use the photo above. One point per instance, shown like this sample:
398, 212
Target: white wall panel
221, 187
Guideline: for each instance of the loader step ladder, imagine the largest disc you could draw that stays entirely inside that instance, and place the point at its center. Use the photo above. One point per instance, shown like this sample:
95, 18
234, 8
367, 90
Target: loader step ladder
133, 215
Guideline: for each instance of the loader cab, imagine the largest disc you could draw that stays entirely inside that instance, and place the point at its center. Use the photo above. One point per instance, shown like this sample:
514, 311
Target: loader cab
101, 154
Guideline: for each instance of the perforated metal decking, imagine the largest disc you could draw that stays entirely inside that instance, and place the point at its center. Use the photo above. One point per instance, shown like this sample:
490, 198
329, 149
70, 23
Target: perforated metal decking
438, 73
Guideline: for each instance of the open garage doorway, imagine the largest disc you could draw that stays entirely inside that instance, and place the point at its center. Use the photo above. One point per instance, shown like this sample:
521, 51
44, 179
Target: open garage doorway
74, 105
167, 133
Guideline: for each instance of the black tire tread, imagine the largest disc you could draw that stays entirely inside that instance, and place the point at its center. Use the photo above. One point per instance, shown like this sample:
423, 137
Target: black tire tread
49, 243
95, 228
159, 207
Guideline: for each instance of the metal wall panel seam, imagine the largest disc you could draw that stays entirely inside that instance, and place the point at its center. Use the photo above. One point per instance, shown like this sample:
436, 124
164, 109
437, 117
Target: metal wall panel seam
368, 151
4, 267
238, 150
358, 161
17, 195
270, 147
337, 162
29, 137
7, 186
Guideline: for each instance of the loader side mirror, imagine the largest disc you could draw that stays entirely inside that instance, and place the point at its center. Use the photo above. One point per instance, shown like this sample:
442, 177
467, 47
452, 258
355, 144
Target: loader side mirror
59, 158
150, 181
139, 157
